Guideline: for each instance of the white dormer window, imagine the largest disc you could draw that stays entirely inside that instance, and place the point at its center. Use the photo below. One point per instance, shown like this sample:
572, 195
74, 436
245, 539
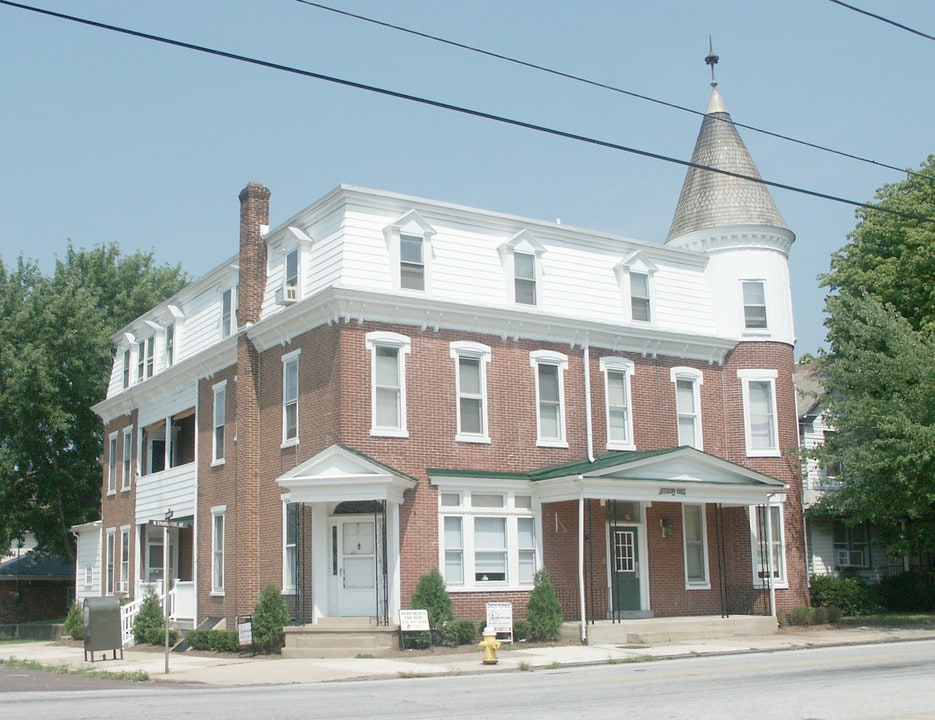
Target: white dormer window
754, 305
521, 258
126, 367
635, 277
410, 252
227, 313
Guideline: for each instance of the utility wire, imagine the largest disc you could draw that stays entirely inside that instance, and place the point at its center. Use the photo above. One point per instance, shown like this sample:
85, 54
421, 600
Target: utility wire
459, 109
595, 83
883, 19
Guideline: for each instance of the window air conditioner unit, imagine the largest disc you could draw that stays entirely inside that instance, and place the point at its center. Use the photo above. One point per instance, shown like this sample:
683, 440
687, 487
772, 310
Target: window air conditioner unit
287, 295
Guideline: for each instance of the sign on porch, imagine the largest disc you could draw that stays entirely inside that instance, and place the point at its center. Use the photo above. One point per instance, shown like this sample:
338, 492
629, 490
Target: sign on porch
414, 620
500, 618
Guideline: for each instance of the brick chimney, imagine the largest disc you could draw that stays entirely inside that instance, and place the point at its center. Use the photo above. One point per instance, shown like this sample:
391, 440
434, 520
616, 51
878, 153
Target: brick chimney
254, 213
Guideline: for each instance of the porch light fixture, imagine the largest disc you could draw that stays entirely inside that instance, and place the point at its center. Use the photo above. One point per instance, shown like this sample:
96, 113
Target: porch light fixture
666, 525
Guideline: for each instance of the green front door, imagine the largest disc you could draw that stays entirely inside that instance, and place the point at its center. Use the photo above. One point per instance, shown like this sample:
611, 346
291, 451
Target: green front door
625, 578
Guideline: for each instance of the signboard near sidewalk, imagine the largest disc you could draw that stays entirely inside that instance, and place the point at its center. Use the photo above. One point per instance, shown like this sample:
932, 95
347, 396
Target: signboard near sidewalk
414, 624
500, 619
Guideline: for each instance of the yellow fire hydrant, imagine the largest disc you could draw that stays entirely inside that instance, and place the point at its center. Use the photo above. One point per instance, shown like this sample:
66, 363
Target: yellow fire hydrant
489, 645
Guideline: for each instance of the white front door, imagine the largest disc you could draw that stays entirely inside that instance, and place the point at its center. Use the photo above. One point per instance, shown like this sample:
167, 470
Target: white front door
355, 556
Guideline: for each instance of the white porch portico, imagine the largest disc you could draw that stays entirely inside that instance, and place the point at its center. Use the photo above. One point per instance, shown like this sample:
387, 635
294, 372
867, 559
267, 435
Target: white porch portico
348, 559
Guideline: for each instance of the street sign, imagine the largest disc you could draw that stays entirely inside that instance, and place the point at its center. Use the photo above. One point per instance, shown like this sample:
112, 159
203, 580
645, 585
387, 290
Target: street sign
169, 523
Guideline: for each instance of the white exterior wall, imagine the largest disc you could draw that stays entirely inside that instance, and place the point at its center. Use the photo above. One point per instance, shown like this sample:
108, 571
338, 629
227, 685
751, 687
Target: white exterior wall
88, 556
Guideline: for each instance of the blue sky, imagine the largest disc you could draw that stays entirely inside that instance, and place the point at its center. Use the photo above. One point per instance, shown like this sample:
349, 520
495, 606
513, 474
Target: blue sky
105, 137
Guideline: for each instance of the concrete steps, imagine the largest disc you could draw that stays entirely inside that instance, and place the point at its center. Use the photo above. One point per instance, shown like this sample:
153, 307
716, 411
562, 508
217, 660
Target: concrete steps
677, 629
340, 638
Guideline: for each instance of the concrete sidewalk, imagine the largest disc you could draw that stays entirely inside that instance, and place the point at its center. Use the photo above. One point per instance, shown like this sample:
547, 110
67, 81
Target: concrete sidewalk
273, 670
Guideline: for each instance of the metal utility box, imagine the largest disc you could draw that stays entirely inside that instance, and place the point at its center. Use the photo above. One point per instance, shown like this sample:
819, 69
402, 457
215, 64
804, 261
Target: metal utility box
102, 629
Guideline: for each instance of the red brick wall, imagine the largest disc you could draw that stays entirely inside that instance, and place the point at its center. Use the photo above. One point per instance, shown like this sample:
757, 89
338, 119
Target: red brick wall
119, 509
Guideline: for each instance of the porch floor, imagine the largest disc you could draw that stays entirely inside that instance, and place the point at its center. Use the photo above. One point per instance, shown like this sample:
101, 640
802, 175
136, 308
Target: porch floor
346, 637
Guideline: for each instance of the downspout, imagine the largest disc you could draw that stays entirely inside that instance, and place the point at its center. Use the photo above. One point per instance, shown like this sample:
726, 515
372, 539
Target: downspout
769, 554
584, 624
587, 399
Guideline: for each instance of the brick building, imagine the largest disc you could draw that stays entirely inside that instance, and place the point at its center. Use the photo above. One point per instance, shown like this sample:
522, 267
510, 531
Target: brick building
383, 384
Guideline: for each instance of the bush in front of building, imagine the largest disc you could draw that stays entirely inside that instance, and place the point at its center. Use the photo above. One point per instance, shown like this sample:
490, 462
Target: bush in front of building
850, 594
520, 629
74, 622
907, 592
270, 616
149, 625
432, 595
459, 632
806, 615
214, 640
544, 611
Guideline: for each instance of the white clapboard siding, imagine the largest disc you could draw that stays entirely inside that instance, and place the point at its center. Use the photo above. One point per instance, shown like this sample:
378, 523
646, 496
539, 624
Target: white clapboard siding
173, 488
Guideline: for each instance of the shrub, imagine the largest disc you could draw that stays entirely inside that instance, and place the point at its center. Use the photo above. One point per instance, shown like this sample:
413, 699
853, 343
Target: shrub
834, 613
850, 594
800, 615
544, 612
459, 632
149, 625
214, 640
74, 622
907, 592
270, 616
819, 616
430, 594
520, 629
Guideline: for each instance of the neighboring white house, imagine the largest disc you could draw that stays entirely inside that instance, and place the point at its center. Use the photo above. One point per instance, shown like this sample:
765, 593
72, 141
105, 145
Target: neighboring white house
88, 560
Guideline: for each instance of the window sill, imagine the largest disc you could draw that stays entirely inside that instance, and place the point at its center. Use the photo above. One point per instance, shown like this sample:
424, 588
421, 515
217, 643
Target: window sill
217, 593
476, 439
498, 588
698, 586
126, 489
389, 432
111, 492
763, 453
552, 444
291, 442
778, 585
756, 332
217, 463
620, 446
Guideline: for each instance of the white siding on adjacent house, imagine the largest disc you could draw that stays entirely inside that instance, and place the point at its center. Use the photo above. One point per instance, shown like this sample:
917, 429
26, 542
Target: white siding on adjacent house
170, 489
88, 557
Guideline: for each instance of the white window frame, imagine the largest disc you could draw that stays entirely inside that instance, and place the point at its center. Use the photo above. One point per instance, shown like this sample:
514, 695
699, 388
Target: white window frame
169, 347
525, 279
228, 315
626, 368
219, 423
290, 398
141, 358
412, 225
778, 540
124, 585
465, 350
126, 481
127, 367
112, 463
110, 559
704, 583
768, 377
749, 317
537, 359
524, 243
696, 378
289, 280
642, 299
402, 345
218, 519
511, 513
637, 263
289, 550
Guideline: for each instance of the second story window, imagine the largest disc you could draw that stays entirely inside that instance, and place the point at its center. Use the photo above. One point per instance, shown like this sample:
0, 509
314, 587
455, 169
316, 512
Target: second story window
127, 458
290, 398
759, 410
220, 420
550, 401
471, 389
411, 262
388, 383
617, 373
688, 383
524, 278
754, 305
112, 464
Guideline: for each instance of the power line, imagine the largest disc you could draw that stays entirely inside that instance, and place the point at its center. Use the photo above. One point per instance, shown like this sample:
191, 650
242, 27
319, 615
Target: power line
595, 83
883, 19
458, 109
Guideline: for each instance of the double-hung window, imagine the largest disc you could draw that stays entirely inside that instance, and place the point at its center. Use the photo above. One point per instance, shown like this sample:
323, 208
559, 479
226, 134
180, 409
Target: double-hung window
227, 313
759, 409
126, 367
769, 551
124, 559
851, 548
754, 305
141, 360
112, 464
170, 345
289, 546
220, 422
109, 561
487, 539
471, 389
411, 262
388, 378
617, 373
688, 383
218, 514
696, 547
524, 278
291, 269
550, 404
290, 398
127, 458
640, 307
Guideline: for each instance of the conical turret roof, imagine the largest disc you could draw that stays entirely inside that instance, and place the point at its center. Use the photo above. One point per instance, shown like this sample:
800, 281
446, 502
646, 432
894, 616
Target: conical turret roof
710, 199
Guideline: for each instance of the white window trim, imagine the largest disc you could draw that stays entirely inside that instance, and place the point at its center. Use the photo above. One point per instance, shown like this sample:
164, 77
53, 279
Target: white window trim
124, 580
478, 351
743, 308
768, 376
412, 224
783, 580
617, 364
523, 242
126, 461
636, 262
110, 561
217, 389
232, 330
286, 360
689, 583
217, 589
549, 357
696, 377
288, 586
112, 463
403, 344
510, 512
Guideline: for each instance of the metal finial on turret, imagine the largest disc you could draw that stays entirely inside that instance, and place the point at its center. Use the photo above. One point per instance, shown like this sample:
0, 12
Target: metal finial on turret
712, 61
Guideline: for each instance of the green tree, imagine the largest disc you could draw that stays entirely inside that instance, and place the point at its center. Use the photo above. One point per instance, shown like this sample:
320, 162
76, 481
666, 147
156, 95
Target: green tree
543, 611
55, 359
270, 616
